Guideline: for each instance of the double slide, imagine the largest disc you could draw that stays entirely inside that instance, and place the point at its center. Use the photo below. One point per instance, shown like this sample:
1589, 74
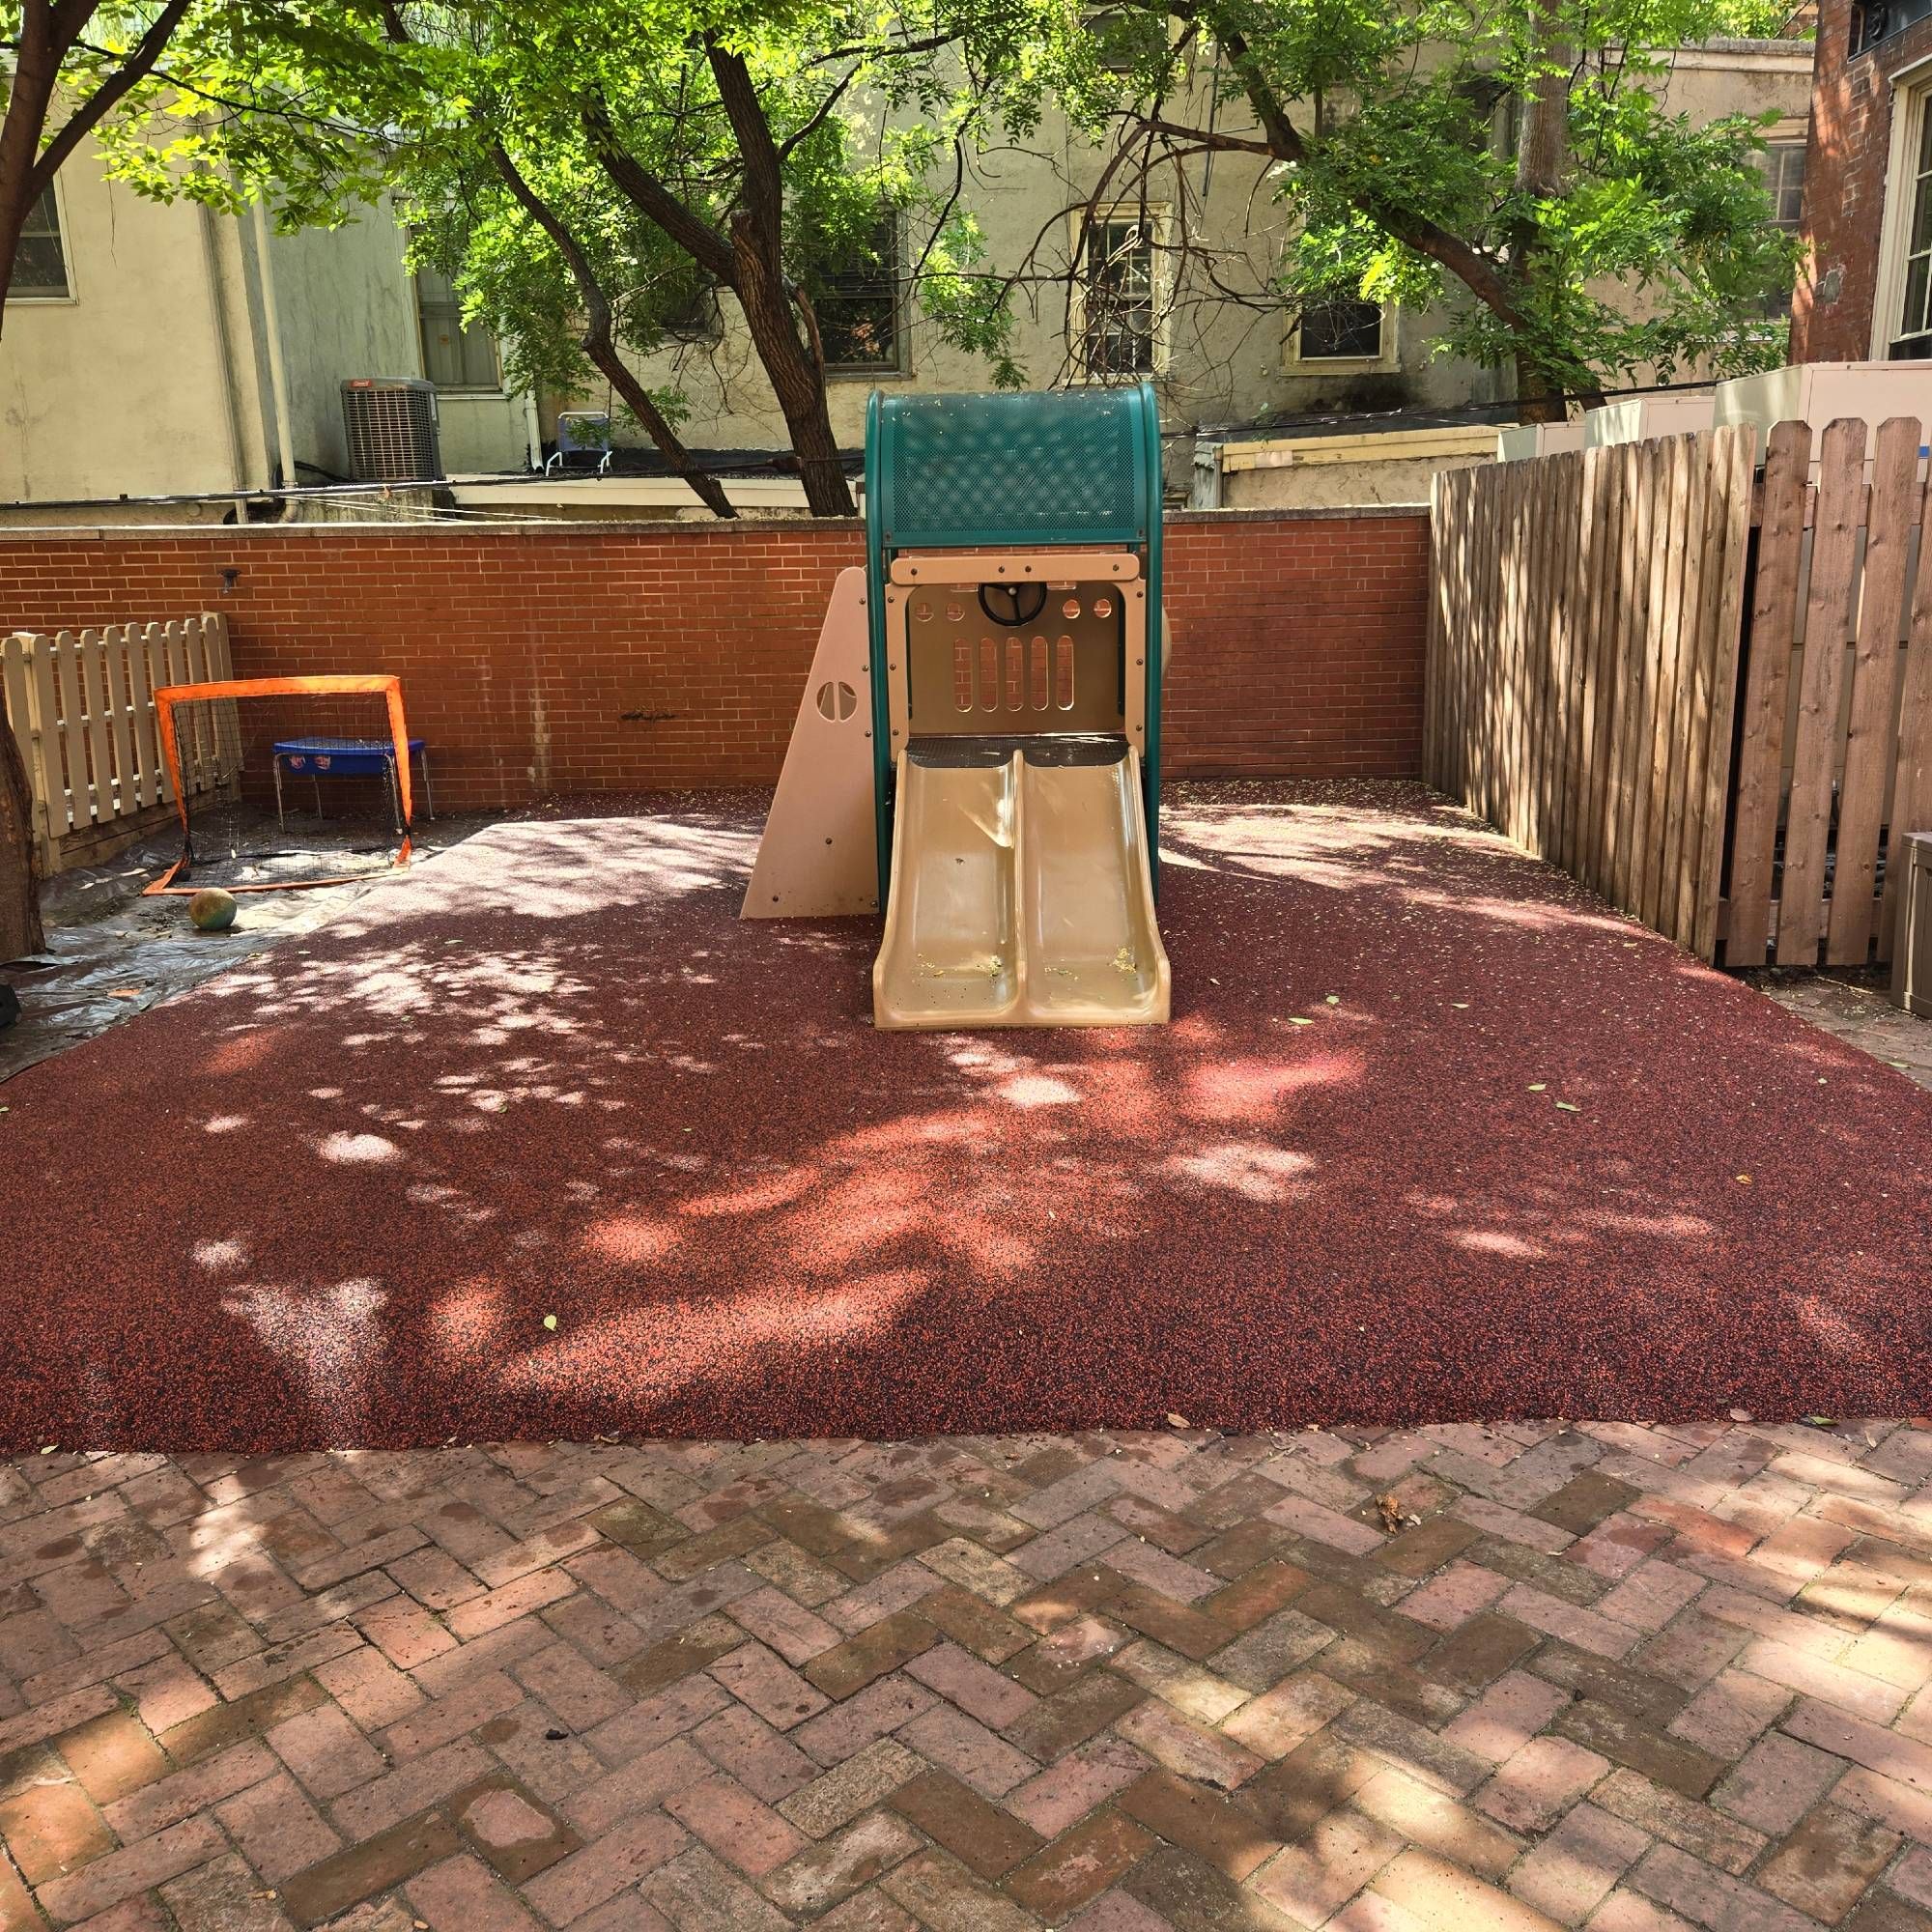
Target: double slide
1021, 893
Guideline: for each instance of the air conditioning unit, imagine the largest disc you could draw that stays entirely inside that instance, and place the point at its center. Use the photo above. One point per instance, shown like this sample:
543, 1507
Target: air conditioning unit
392, 426
1642, 418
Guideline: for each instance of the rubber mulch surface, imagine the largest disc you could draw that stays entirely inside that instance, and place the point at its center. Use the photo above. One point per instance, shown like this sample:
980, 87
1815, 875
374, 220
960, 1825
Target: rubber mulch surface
1433, 1135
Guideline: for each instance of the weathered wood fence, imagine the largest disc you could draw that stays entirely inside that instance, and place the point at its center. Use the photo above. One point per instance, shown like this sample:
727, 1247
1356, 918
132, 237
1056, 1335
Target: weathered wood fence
82, 706
1620, 678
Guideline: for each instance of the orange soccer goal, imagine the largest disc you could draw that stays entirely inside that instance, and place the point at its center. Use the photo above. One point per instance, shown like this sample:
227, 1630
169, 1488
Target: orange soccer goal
287, 782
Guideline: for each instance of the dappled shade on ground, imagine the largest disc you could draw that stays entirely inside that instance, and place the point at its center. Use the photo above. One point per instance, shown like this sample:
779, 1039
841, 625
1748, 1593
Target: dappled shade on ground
1433, 1134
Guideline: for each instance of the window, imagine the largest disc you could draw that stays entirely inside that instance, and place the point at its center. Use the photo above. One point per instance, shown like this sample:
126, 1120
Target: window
1117, 319
857, 300
1341, 329
40, 266
1783, 169
688, 308
1911, 189
1784, 181
1120, 37
454, 356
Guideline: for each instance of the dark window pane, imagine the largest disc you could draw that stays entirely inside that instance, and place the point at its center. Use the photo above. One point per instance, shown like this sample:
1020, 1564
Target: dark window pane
857, 303
40, 265
1784, 181
1119, 333
1914, 319
1921, 218
454, 357
1120, 37
1342, 330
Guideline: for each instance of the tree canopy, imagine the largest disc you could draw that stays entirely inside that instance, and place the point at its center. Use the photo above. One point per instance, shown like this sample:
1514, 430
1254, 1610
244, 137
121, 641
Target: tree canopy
1513, 169
596, 178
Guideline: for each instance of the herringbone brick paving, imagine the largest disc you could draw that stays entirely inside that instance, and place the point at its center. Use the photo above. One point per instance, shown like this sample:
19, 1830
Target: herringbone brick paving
1635, 1678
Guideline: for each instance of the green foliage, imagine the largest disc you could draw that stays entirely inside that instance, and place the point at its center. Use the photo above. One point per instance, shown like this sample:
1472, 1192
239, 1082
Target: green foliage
1393, 134
1653, 253
326, 108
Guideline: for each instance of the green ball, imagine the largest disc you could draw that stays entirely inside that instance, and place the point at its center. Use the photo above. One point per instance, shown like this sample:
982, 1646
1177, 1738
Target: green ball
212, 909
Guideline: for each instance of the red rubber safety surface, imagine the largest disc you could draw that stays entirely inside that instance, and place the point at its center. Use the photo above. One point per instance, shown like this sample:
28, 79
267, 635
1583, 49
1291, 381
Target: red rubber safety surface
330, 1197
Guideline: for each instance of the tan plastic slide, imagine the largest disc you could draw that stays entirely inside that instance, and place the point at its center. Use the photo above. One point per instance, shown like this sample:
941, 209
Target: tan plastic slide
1020, 897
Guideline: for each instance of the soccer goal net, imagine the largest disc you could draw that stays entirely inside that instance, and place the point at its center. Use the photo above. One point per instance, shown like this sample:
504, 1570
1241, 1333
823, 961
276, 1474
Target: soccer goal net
288, 781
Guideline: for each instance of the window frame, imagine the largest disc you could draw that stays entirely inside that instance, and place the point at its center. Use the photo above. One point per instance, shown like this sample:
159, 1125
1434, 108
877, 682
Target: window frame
1911, 105
39, 299
1787, 137
1159, 218
899, 367
1387, 357
494, 385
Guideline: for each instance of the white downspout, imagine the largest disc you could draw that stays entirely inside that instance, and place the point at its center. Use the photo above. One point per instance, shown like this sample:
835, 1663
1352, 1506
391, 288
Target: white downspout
533, 429
278, 380
224, 360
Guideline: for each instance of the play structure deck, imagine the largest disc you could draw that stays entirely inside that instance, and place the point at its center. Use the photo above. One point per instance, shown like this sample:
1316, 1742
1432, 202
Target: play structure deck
978, 750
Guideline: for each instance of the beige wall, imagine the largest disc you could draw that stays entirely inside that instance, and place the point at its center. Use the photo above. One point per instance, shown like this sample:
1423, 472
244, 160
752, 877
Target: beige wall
326, 335
152, 376
123, 388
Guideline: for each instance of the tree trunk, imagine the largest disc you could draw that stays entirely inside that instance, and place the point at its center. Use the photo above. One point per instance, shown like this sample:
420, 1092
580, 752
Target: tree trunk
27, 100
1538, 399
48, 34
20, 931
1541, 151
600, 345
798, 381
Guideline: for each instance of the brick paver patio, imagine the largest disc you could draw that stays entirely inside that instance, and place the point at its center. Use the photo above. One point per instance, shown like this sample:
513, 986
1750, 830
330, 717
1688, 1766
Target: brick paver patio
1628, 1677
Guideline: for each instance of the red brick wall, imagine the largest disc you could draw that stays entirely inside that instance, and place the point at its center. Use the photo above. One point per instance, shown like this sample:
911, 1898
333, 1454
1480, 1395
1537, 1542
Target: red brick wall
1845, 158
594, 659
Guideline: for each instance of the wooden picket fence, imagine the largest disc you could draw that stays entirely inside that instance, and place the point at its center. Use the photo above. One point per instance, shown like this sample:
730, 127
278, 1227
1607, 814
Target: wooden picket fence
1582, 648
82, 706
1620, 678
1834, 733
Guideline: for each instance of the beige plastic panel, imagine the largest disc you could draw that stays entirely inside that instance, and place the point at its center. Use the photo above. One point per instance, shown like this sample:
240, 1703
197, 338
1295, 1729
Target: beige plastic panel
1090, 951
1020, 897
819, 856
952, 672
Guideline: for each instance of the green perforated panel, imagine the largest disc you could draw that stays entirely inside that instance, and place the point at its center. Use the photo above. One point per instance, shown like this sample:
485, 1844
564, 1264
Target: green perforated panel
1055, 466
1029, 471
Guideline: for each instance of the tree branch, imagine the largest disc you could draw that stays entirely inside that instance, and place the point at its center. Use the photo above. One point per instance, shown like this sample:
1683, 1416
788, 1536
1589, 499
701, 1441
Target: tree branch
114, 89
698, 240
598, 343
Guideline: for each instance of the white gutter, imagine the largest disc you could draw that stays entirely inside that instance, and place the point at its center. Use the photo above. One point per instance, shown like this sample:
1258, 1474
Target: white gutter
279, 381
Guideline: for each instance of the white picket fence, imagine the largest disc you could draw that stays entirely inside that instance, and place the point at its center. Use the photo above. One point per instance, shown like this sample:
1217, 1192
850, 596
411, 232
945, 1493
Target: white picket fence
82, 706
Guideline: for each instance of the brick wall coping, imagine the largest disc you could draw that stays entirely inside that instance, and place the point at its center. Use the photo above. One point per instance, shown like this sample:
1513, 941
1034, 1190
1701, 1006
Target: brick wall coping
28, 533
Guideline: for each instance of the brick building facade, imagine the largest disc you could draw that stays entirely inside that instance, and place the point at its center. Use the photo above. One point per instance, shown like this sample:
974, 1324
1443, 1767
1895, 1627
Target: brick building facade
620, 658
1872, 83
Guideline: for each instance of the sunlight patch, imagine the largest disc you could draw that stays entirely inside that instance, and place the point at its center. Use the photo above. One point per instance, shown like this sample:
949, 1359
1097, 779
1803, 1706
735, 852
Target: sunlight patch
1038, 1089
1250, 1089
359, 1149
328, 1339
1251, 1169
631, 1239
1494, 1242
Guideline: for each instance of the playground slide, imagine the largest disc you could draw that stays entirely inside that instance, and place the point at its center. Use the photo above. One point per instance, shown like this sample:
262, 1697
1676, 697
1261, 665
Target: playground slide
1020, 897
